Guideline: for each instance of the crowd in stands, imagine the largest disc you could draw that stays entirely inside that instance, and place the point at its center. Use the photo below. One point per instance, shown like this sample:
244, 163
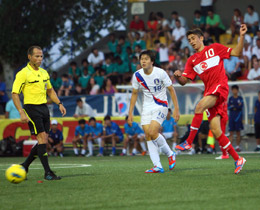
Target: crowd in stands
99, 73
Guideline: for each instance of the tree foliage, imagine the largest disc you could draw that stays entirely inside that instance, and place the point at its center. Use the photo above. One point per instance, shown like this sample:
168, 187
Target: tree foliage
42, 22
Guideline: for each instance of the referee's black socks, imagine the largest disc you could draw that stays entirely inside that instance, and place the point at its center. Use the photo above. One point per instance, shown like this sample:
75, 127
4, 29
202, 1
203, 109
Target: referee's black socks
42, 154
32, 156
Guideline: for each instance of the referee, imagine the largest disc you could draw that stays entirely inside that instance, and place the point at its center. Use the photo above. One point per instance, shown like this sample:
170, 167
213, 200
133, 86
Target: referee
35, 84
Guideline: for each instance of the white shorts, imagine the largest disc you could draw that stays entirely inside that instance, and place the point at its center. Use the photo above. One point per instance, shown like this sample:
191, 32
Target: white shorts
168, 135
138, 136
158, 115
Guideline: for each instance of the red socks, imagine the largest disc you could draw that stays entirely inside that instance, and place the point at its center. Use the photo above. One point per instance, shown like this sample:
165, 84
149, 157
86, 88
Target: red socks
194, 127
227, 146
224, 152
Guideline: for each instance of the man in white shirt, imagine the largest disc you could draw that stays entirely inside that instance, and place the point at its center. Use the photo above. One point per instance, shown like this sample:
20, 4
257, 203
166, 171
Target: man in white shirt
175, 16
254, 73
178, 34
153, 82
251, 19
83, 110
96, 58
256, 49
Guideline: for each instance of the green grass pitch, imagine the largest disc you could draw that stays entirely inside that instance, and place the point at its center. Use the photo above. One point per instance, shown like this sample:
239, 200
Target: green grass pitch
197, 182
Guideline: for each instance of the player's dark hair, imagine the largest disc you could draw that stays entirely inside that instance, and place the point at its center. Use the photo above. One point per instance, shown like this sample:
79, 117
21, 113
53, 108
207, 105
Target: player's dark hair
107, 117
79, 100
196, 31
126, 117
149, 53
92, 119
30, 50
82, 121
169, 110
234, 87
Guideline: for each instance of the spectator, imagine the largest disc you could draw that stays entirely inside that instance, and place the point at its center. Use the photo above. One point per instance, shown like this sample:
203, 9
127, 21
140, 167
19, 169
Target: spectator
254, 73
251, 19
55, 140
205, 6
186, 54
100, 76
138, 41
164, 58
134, 63
95, 136
129, 53
108, 87
178, 63
112, 43
112, 133
120, 53
122, 69
123, 43
199, 21
232, 67
108, 66
152, 28
136, 25
83, 109
214, 25
81, 135
83, 80
178, 35
74, 72
236, 22
247, 54
66, 86
171, 54
257, 123
235, 107
256, 37
55, 81
256, 49
85, 65
136, 134
92, 87
207, 39
252, 61
137, 51
164, 27
175, 16
96, 58
10, 110
169, 129
3, 96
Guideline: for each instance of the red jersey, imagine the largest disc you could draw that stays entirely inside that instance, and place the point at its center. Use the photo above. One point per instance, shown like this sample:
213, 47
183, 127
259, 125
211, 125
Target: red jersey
208, 65
139, 26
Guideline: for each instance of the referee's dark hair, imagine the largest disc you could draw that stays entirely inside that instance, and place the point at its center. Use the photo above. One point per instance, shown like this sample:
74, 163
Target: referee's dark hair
30, 50
107, 118
92, 119
234, 87
196, 31
150, 53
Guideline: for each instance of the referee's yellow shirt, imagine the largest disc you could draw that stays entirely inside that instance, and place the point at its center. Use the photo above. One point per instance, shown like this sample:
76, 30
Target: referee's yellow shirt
33, 84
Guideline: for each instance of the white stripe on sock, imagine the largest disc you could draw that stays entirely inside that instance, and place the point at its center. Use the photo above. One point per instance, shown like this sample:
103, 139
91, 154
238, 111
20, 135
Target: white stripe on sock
225, 147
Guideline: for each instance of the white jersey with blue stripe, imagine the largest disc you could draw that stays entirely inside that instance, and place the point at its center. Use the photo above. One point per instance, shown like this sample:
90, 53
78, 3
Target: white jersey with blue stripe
153, 87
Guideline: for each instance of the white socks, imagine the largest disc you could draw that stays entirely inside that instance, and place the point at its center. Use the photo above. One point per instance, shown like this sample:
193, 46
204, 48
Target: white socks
154, 153
173, 146
83, 152
124, 151
143, 146
76, 151
90, 147
162, 144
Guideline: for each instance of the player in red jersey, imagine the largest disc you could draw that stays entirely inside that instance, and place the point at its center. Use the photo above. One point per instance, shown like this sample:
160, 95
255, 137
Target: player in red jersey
207, 63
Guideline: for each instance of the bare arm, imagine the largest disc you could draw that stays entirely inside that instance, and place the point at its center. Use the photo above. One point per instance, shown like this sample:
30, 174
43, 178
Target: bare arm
132, 105
176, 112
237, 51
181, 79
6, 115
18, 106
53, 96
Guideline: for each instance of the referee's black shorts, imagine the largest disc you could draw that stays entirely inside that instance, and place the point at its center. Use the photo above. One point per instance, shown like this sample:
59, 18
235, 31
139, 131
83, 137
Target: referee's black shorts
39, 117
257, 130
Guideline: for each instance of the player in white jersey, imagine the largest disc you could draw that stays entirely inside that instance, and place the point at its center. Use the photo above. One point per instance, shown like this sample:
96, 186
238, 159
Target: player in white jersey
153, 81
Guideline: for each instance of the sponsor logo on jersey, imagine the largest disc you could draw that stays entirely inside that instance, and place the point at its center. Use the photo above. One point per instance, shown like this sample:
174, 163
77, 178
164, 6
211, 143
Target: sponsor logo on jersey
206, 64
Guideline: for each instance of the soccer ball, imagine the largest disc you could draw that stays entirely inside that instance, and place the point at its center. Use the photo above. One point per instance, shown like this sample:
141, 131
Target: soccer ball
15, 173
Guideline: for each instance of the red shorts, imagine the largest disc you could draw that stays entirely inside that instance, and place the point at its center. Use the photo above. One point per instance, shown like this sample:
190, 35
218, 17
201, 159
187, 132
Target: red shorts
220, 107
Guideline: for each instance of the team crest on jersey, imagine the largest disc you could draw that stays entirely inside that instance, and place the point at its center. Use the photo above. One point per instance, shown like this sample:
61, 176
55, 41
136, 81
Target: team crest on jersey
156, 81
203, 66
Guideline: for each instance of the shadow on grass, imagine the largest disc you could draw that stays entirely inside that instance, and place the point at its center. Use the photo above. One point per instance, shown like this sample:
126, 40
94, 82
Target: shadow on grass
76, 175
